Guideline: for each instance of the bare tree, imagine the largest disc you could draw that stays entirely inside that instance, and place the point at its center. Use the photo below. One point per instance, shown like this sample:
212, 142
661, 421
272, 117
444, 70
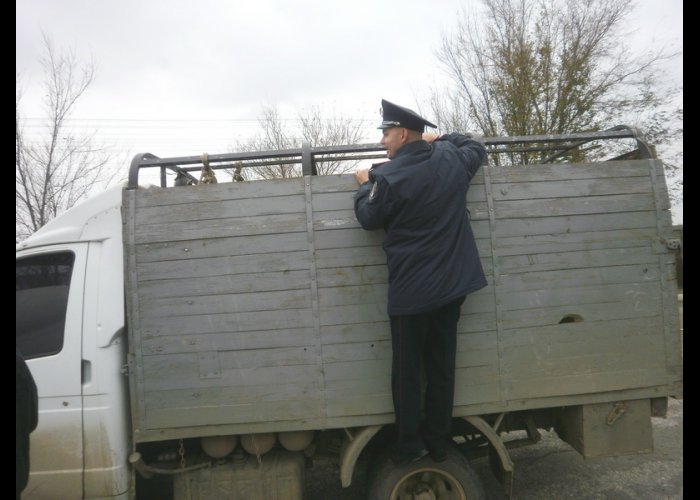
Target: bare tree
318, 129
55, 171
537, 67
315, 128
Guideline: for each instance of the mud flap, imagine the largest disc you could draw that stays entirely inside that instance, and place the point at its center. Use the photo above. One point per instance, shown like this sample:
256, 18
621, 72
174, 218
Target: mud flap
499, 459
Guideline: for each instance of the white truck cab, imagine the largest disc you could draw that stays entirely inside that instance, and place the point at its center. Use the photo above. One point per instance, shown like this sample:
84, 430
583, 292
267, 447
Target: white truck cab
70, 312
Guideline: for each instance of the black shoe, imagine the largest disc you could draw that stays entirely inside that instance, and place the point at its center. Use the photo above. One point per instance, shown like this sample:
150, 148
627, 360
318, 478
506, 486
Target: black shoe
407, 457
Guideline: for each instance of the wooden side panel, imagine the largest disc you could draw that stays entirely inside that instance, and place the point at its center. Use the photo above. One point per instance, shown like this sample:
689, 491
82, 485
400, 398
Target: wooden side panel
222, 283
261, 306
579, 280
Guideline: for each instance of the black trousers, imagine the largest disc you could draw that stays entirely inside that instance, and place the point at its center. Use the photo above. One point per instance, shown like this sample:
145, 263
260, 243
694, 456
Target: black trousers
430, 337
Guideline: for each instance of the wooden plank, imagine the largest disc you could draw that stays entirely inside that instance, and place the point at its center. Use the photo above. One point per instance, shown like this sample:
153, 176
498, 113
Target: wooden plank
351, 295
570, 385
527, 367
465, 393
336, 183
229, 283
334, 220
521, 363
360, 329
467, 354
205, 209
629, 329
543, 316
250, 368
220, 247
220, 228
230, 265
549, 207
343, 258
571, 278
234, 394
513, 264
357, 237
470, 394
348, 314
486, 372
570, 171
196, 305
595, 352
518, 226
345, 218
346, 238
357, 351
473, 357
344, 202
340, 183
572, 188
218, 192
477, 341
337, 389
340, 376
638, 295
227, 323
222, 414
371, 294
516, 404
377, 369
359, 405
381, 370
321, 202
327, 207
345, 276
572, 241
167, 344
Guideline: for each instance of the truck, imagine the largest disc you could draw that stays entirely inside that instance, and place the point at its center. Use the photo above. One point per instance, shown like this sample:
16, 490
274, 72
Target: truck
215, 340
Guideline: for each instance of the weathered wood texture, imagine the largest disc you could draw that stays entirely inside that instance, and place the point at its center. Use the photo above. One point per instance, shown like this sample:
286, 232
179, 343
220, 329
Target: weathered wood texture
244, 314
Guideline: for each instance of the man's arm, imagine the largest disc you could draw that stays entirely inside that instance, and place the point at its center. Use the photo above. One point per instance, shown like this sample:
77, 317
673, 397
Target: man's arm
471, 146
371, 201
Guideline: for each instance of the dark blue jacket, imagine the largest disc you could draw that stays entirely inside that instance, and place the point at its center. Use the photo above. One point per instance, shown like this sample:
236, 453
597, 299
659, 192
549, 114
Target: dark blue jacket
420, 198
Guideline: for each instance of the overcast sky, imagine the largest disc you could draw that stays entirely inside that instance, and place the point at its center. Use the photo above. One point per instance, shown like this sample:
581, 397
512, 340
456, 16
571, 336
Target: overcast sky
179, 78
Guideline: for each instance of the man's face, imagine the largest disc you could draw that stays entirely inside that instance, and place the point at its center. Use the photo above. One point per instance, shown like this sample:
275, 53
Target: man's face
392, 140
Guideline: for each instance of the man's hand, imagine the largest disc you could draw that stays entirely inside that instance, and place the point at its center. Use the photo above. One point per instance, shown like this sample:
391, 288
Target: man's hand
430, 137
362, 176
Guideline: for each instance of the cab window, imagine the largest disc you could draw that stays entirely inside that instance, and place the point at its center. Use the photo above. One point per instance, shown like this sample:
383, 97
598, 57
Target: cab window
42, 285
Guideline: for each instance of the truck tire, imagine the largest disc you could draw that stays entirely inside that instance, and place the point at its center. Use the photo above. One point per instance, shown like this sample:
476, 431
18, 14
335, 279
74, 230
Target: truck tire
453, 479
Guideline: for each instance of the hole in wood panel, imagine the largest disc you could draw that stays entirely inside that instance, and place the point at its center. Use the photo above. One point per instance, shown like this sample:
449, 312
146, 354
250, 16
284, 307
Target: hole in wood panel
571, 318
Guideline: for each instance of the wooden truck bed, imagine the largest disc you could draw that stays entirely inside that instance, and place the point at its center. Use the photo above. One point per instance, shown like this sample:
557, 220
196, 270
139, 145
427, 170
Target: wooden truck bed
261, 306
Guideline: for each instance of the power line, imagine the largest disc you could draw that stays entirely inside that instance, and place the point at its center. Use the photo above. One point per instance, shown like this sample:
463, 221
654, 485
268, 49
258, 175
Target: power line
191, 120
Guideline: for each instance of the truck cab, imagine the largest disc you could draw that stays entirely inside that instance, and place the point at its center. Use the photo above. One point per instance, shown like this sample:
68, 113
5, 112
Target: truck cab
70, 329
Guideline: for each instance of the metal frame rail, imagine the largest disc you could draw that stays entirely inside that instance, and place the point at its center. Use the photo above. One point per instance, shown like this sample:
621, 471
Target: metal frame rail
308, 157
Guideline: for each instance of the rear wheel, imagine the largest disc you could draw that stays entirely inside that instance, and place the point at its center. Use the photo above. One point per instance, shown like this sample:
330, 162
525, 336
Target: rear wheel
453, 479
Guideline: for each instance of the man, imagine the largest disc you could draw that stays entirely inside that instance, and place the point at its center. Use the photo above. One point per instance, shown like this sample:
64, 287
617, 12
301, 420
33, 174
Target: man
26, 419
419, 198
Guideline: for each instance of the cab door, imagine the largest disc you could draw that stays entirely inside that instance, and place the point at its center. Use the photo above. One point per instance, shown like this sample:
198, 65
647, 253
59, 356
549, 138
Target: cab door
49, 305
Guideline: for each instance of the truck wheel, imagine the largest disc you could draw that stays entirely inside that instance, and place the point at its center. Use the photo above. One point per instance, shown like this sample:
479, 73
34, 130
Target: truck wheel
453, 479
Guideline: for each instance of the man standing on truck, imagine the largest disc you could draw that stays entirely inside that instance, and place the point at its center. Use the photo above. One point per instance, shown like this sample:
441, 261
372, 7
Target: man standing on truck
419, 198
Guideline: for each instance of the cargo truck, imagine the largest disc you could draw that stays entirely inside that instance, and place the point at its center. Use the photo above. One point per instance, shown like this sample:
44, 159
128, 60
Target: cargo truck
193, 340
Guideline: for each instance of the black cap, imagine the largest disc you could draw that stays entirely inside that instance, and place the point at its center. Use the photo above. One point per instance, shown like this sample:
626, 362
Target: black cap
397, 116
